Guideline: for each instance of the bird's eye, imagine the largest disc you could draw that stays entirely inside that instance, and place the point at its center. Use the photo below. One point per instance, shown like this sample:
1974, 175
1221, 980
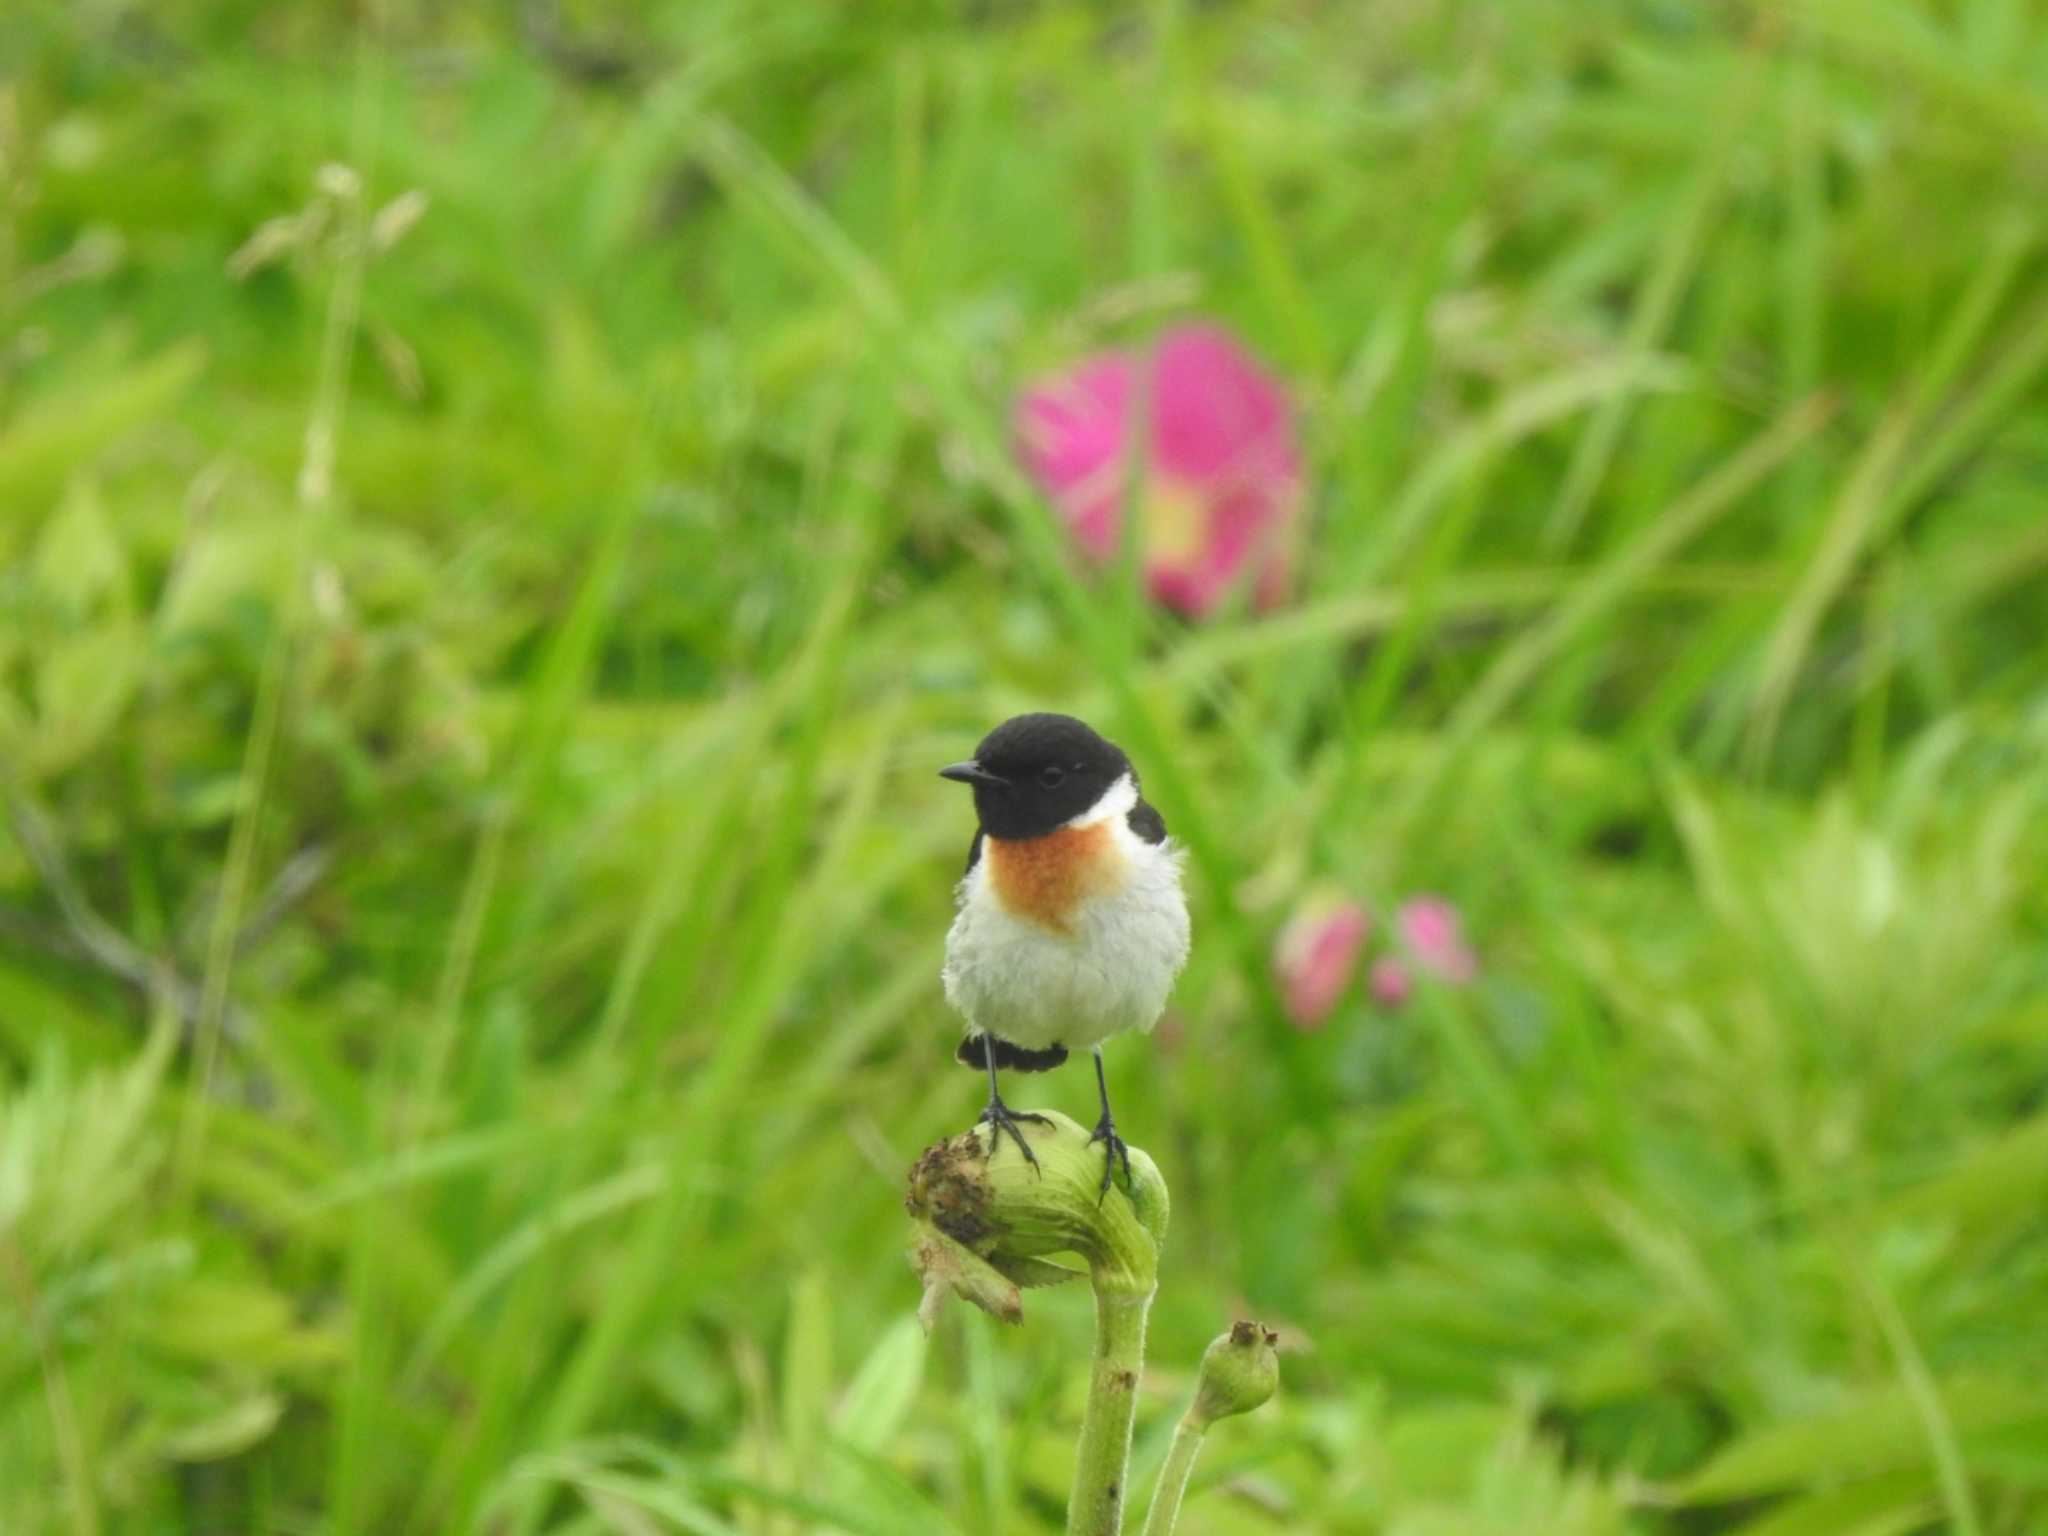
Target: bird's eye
1052, 777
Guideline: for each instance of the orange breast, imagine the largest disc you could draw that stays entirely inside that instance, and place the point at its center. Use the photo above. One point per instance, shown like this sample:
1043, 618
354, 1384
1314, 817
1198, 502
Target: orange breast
1045, 879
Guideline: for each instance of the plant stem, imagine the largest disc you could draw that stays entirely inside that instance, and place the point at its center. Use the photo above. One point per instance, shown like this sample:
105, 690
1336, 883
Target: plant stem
1173, 1477
1096, 1507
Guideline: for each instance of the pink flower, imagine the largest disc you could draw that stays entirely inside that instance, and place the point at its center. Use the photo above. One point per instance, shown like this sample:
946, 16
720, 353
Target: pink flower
1315, 956
1430, 928
1390, 982
1224, 478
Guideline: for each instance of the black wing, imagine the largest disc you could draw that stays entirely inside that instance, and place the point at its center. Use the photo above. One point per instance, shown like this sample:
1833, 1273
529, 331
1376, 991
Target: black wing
973, 852
1144, 820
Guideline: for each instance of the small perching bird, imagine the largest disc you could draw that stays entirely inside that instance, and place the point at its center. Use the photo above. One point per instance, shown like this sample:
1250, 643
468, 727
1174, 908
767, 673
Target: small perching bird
1072, 925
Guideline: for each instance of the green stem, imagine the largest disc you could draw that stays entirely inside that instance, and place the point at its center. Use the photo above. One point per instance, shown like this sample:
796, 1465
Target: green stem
1173, 1477
1096, 1507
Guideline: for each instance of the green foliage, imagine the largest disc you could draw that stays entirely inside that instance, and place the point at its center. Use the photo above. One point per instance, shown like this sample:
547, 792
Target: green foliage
469, 911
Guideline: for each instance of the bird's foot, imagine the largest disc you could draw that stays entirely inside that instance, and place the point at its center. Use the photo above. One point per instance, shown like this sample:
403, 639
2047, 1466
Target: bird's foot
1004, 1119
1113, 1151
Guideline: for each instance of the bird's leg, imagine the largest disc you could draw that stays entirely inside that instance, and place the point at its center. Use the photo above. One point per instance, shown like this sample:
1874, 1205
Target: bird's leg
1000, 1115
1113, 1147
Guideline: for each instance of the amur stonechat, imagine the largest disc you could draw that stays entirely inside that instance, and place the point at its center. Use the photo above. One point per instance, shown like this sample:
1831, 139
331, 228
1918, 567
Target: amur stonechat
1072, 925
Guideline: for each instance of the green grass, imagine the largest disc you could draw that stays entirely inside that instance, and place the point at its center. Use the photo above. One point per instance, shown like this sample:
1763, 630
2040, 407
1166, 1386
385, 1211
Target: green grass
472, 875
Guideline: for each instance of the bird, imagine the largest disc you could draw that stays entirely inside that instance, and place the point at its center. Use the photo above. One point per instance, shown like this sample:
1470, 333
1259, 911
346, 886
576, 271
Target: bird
1070, 923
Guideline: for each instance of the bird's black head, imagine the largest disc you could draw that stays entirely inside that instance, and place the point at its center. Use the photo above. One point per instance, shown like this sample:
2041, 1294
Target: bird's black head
1033, 772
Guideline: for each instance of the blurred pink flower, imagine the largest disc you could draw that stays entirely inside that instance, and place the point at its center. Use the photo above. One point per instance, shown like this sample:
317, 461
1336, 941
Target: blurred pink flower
1315, 956
1435, 936
1390, 982
1224, 480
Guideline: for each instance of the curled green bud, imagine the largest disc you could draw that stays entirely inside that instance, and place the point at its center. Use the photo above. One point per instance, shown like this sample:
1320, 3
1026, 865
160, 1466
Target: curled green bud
1240, 1370
988, 1223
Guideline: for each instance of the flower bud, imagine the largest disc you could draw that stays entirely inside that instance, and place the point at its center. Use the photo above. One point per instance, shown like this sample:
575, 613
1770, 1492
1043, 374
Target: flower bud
1315, 955
988, 1223
1240, 1370
1435, 935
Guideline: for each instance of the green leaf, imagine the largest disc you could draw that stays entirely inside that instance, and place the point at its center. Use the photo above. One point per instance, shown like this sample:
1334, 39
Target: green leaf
2000, 1184
1439, 1450
1895, 1502
884, 1388
81, 565
654, 1498
870, 1484
69, 427
88, 670
84, 682
226, 562
228, 1432
806, 1364
1032, 1273
1880, 1432
226, 1321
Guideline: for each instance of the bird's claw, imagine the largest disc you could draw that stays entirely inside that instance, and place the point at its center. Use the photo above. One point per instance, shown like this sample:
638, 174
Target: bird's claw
1004, 1119
1113, 1151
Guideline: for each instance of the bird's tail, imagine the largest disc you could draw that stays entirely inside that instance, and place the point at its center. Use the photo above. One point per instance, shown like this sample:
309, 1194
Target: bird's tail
974, 1050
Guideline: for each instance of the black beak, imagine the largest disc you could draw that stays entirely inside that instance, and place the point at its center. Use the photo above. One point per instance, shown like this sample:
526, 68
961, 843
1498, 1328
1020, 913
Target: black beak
969, 772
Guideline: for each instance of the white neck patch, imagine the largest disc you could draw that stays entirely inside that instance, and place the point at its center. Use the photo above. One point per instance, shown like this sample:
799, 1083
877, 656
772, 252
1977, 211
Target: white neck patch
1116, 800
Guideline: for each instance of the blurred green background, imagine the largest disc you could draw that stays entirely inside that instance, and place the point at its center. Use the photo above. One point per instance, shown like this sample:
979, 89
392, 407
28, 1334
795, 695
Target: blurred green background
504, 508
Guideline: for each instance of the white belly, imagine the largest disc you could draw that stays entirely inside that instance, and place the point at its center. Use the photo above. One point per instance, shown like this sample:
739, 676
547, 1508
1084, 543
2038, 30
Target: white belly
1109, 971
